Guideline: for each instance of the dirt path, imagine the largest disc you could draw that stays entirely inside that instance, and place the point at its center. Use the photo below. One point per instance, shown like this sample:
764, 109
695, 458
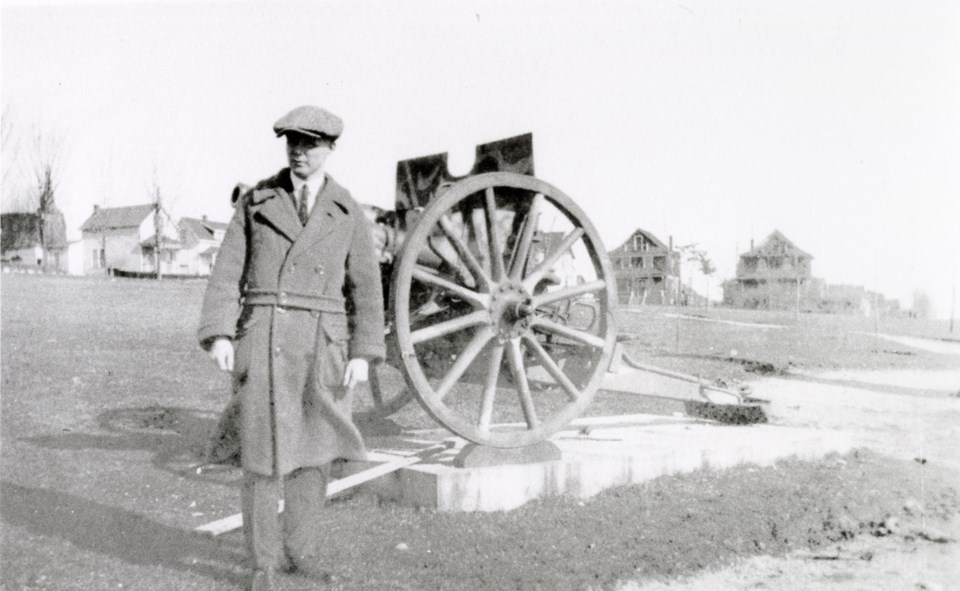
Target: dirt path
932, 345
921, 422
730, 322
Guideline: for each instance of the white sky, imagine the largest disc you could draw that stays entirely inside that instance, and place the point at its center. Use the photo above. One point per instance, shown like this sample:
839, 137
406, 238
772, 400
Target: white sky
836, 122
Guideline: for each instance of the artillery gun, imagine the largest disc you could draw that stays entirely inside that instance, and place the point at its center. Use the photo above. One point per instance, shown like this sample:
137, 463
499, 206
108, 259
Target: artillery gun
500, 300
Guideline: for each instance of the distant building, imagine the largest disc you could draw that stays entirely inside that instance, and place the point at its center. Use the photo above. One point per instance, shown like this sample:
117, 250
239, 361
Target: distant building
20, 240
776, 275
847, 299
856, 299
647, 270
200, 241
125, 239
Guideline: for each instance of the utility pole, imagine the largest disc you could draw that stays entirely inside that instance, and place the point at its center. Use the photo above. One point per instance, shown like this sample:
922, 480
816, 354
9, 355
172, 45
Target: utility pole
796, 270
953, 293
158, 227
679, 290
876, 292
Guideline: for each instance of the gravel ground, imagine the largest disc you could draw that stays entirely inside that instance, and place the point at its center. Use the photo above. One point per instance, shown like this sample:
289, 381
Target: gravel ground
107, 404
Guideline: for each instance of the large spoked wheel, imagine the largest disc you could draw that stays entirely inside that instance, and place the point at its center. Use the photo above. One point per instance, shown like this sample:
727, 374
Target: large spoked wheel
478, 295
384, 394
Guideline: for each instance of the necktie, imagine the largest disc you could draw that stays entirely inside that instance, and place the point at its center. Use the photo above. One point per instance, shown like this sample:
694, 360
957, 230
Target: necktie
302, 211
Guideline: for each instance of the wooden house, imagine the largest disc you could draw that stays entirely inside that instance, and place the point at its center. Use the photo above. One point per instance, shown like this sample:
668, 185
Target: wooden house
647, 270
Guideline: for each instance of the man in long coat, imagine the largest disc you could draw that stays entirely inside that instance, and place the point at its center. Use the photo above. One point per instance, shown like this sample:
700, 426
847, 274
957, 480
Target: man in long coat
294, 308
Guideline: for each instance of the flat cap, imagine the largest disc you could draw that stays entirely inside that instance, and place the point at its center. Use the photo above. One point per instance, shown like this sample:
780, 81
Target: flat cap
310, 120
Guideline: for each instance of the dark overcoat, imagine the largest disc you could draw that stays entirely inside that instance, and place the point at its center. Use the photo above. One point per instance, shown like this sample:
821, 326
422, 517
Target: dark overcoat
282, 292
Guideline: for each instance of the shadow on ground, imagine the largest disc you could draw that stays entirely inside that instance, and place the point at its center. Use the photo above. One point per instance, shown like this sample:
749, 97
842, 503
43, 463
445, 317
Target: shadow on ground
119, 533
181, 439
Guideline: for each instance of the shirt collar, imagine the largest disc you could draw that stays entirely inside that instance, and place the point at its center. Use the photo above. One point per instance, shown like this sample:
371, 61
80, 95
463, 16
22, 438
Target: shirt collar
315, 183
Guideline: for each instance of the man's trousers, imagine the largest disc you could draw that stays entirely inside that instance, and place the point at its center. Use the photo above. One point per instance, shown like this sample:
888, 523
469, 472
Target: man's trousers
271, 541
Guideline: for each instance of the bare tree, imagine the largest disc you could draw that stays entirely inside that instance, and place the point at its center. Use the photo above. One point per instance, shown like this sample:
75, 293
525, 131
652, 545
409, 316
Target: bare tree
46, 166
107, 190
691, 254
156, 198
162, 200
11, 164
707, 268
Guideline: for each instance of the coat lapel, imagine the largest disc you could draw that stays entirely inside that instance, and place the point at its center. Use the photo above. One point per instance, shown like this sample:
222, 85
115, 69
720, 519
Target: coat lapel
328, 213
276, 207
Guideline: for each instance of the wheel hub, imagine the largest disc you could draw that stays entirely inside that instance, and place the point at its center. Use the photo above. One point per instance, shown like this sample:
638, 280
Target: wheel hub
510, 310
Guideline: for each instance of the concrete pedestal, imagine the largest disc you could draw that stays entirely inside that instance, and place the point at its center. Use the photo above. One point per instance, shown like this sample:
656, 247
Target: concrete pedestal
595, 454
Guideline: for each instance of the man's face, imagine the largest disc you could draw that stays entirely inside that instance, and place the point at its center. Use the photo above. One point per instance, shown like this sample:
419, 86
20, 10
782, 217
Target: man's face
307, 154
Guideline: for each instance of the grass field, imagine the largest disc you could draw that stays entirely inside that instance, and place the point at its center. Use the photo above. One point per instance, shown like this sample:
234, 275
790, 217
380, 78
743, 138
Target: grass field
108, 403
776, 342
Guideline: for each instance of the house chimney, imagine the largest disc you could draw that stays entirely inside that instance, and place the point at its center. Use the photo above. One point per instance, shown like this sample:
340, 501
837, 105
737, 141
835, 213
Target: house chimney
203, 218
96, 208
671, 242
751, 244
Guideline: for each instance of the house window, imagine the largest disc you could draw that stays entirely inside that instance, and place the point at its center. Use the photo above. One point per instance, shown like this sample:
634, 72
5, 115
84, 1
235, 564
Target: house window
639, 243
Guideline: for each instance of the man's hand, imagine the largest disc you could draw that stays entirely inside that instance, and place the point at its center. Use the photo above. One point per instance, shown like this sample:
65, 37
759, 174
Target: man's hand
221, 351
357, 371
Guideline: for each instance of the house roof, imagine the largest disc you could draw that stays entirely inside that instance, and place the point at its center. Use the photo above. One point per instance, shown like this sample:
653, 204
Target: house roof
106, 218
653, 240
769, 246
210, 251
202, 229
166, 243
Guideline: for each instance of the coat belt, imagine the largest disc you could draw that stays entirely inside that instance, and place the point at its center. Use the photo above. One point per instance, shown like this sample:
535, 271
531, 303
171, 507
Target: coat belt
294, 299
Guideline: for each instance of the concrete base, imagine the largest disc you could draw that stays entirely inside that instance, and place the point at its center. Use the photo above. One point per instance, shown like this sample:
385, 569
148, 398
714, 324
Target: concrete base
480, 456
596, 453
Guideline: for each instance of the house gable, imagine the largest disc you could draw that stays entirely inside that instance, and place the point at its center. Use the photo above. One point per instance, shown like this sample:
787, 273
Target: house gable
776, 244
640, 241
201, 230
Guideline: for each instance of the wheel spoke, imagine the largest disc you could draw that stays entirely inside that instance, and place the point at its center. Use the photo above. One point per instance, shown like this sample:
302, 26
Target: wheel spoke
552, 327
515, 358
423, 275
473, 265
448, 326
522, 251
490, 388
466, 357
480, 236
567, 293
552, 368
493, 236
530, 281
441, 252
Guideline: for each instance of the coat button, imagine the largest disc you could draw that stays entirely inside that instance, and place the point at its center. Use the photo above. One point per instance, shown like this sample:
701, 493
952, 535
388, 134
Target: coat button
320, 269
276, 350
283, 297
281, 309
